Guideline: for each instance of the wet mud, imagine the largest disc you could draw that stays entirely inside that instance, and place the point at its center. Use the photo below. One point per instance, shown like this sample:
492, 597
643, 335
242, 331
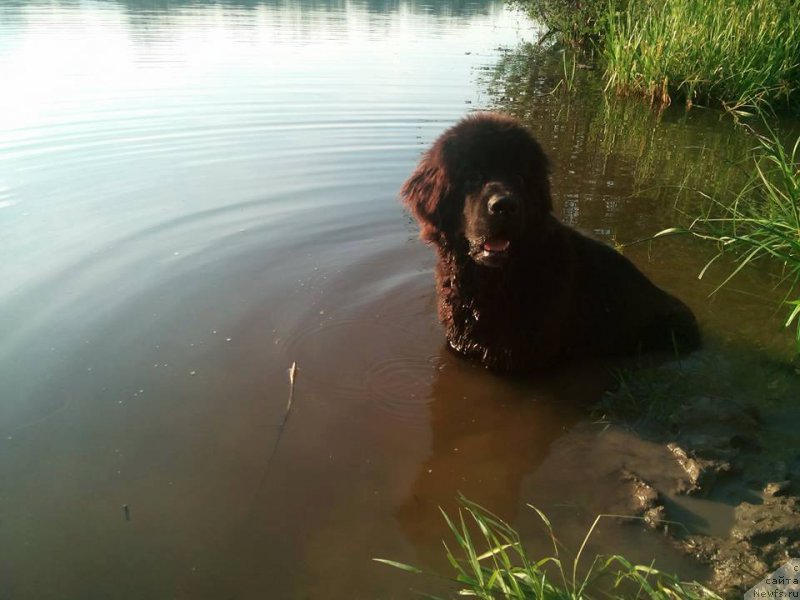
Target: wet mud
718, 484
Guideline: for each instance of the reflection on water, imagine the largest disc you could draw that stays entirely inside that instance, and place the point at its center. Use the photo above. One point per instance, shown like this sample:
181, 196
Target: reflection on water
194, 195
488, 433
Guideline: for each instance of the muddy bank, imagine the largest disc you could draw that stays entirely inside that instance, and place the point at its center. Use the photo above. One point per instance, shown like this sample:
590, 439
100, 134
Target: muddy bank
719, 474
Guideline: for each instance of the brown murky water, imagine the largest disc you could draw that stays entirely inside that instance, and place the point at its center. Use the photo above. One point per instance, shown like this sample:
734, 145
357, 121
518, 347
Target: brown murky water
195, 195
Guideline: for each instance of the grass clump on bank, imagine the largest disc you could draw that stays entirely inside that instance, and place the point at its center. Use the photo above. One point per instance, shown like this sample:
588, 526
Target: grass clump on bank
728, 52
572, 22
762, 222
738, 52
495, 565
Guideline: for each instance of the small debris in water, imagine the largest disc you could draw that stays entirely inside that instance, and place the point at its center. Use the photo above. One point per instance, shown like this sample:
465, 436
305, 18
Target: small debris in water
227, 339
192, 373
126, 511
282, 425
292, 375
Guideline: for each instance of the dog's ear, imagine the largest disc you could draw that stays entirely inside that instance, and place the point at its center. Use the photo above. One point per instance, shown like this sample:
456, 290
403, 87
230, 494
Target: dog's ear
424, 194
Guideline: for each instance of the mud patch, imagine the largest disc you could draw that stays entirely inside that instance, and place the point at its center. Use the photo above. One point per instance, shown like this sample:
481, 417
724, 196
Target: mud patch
646, 502
764, 537
727, 455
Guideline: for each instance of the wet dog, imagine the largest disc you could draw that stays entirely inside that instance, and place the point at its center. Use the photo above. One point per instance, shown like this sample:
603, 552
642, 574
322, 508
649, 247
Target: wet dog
517, 289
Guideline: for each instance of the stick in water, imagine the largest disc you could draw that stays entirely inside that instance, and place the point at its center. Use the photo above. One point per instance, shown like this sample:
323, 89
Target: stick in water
268, 463
292, 377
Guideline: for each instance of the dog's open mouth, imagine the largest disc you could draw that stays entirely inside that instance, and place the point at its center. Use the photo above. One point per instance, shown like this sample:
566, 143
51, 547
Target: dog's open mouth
493, 252
496, 246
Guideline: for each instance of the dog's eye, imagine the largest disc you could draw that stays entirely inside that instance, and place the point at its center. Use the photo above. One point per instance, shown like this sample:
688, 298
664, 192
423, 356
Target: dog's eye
519, 179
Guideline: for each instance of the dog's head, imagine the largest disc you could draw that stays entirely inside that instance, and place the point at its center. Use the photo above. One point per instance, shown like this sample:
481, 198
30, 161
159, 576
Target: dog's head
482, 187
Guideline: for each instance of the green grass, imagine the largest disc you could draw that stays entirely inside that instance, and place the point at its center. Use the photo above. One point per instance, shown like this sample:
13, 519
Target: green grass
761, 224
728, 52
735, 52
571, 22
490, 562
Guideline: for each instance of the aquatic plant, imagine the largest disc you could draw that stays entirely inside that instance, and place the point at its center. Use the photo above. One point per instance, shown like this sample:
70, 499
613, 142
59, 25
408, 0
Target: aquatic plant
735, 52
571, 22
568, 80
762, 221
730, 52
496, 565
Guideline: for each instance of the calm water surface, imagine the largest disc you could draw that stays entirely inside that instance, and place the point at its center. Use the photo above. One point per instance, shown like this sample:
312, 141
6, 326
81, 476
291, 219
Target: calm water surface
194, 196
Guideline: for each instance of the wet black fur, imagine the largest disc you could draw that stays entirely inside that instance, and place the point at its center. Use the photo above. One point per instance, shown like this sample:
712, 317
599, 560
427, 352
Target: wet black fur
555, 295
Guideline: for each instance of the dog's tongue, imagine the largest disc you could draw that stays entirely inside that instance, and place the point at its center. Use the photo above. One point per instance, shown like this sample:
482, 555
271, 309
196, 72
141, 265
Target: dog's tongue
496, 245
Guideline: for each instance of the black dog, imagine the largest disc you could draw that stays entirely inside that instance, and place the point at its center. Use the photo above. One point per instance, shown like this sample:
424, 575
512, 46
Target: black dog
517, 288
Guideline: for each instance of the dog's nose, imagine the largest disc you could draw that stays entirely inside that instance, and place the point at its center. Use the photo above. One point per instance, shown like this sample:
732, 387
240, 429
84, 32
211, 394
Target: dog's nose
502, 204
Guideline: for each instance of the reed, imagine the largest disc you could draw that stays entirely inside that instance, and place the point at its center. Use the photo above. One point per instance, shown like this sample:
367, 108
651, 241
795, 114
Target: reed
571, 22
731, 52
761, 223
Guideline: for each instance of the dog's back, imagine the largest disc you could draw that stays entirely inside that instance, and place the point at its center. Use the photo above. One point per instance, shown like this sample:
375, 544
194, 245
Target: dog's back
626, 313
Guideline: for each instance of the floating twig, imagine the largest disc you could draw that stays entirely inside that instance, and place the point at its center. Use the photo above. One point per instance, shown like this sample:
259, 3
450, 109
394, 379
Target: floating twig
282, 426
292, 375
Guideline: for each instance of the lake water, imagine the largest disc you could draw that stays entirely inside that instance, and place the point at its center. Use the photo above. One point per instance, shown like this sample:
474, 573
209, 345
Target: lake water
196, 195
